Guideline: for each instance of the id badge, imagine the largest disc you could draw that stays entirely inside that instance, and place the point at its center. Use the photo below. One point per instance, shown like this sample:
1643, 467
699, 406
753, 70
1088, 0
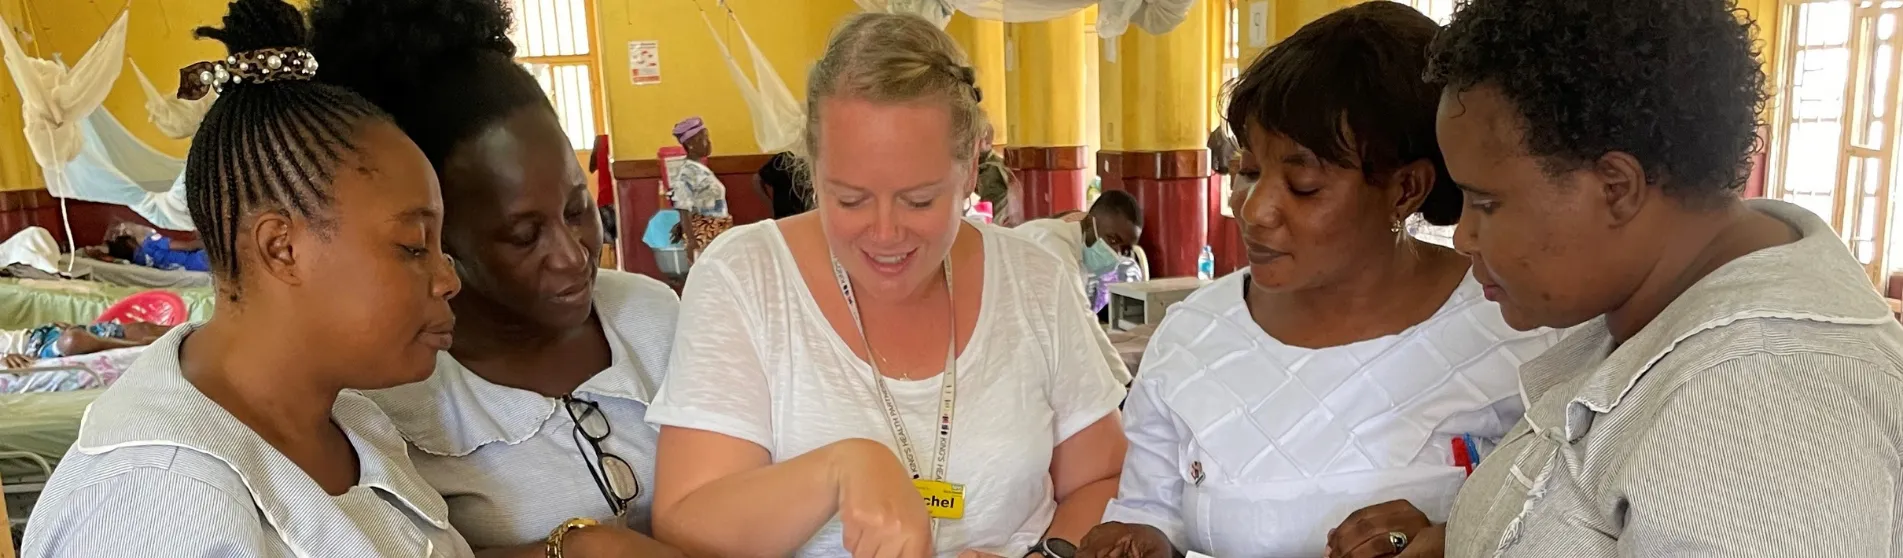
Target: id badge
945, 500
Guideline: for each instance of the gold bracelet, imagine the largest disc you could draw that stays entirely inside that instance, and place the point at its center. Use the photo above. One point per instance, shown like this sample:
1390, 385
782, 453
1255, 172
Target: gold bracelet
555, 537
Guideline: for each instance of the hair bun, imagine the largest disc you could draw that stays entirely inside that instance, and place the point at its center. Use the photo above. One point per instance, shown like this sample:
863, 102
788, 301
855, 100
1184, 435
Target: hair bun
368, 33
251, 25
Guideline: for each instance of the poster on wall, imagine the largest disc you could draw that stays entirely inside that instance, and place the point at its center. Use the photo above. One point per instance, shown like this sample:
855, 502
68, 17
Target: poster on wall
644, 62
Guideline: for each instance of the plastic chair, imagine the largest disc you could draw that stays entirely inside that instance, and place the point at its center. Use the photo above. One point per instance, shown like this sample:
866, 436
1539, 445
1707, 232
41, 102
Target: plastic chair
159, 307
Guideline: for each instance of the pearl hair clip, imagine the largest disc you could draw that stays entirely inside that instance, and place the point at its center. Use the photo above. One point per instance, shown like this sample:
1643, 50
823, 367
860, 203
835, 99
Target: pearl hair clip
256, 66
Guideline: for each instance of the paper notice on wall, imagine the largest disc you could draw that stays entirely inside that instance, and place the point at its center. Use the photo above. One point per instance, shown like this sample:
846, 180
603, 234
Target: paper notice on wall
644, 62
1110, 49
1259, 23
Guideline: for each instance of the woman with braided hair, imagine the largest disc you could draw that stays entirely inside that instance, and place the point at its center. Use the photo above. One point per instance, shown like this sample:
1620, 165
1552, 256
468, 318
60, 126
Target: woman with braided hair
238, 436
533, 427
880, 377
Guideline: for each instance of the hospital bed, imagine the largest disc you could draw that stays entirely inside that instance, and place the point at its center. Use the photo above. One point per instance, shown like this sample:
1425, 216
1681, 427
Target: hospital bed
28, 303
131, 275
40, 411
35, 431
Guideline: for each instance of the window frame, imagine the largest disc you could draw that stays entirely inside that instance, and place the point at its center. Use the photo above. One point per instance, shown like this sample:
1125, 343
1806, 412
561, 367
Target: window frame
1854, 208
590, 62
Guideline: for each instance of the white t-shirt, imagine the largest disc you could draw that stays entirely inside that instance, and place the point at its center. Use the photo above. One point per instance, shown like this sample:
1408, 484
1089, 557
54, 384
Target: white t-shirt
758, 361
1062, 237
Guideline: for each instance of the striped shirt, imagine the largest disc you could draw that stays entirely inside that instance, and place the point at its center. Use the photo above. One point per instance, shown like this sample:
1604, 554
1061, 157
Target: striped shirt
1759, 415
161, 470
508, 460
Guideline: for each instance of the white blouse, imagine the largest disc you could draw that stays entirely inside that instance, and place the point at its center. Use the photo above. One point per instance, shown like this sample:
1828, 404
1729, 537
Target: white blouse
506, 459
761, 363
161, 470
1243, 446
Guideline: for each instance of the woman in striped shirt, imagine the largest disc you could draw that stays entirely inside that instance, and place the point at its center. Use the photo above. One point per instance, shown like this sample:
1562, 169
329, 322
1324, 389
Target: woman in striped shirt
240, 436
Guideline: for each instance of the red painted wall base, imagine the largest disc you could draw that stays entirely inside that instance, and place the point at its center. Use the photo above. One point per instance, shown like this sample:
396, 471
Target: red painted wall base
1175, 222
1047, 192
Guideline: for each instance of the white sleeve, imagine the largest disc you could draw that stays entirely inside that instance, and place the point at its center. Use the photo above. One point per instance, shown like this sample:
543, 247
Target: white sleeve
146, 512
1086, 378
716, 381
1151, 489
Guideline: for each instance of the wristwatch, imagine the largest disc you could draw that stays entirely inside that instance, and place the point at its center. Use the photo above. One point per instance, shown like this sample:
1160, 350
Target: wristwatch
553, 547
1053, 548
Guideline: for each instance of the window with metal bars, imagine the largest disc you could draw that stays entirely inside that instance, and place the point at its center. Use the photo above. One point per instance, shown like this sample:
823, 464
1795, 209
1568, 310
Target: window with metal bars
1834, 138
1440, 10
555, 40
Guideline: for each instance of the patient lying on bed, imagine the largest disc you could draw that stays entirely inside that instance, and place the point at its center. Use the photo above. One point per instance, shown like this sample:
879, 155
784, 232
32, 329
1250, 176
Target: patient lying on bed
155, 251
22, 347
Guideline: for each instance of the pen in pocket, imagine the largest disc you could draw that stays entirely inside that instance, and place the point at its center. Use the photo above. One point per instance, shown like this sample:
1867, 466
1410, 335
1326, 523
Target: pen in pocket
1462, 457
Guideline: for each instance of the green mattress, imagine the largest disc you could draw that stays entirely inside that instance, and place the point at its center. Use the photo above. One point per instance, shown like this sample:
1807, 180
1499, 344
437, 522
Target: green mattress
27, 303
37, 427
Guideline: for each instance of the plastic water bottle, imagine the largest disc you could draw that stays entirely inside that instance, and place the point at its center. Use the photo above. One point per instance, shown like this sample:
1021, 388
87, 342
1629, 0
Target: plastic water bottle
1206, 264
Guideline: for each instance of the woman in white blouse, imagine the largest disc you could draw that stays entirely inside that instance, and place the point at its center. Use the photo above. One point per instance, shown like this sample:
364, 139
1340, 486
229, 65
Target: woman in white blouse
1340, 368
241, 436
534, 426
828, 360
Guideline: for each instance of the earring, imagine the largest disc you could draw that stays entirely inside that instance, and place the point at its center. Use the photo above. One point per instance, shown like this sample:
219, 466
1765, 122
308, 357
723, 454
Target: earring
1396, 227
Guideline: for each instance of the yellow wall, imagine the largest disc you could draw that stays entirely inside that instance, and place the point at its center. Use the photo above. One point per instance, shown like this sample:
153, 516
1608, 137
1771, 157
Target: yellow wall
17, 171
1110, 102
158, 39
983, 42
694, 78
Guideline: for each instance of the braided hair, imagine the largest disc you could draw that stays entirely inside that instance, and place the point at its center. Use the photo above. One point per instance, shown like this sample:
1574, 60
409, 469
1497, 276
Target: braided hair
444, 69
266, 145
890, 58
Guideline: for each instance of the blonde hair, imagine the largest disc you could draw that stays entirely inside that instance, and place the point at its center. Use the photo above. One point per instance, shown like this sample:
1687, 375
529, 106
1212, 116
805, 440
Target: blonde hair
894, 58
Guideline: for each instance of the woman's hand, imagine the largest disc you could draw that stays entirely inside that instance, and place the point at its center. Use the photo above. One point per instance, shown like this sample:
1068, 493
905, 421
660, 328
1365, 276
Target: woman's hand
1367, 532
1125, 540
1429, 543
879, 507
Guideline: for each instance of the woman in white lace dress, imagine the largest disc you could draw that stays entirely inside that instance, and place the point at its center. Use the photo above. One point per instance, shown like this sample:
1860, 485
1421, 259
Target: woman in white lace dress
1341, 367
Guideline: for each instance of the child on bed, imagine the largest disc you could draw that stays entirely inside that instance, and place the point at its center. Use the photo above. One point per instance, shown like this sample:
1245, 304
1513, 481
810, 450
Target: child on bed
24, 346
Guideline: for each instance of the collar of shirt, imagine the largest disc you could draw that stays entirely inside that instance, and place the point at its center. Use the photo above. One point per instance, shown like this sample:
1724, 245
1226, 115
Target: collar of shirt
1810, 279
153, 405
455, 412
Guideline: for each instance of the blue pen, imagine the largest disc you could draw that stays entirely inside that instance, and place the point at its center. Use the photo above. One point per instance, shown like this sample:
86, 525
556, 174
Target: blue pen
1473, 450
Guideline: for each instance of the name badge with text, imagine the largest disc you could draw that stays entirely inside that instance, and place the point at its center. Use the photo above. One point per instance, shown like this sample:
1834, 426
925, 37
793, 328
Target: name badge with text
945, 500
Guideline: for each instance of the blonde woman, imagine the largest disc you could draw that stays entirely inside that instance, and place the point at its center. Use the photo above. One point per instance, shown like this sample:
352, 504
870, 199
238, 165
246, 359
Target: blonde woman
839, 355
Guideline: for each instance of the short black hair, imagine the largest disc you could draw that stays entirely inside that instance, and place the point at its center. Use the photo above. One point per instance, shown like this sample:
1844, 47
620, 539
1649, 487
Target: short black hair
1120, 204
270, 146
1348, 86
123, 247
444, 69
1678, 84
